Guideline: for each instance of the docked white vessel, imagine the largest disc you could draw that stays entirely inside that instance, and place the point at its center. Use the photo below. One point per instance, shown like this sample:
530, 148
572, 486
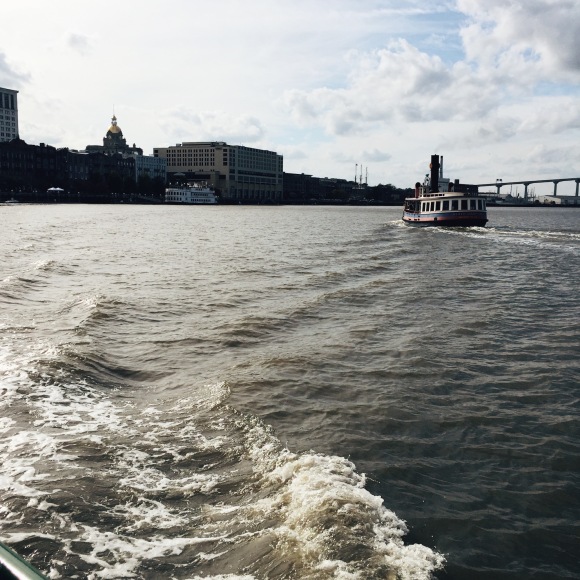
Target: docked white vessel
190, 194
441, 202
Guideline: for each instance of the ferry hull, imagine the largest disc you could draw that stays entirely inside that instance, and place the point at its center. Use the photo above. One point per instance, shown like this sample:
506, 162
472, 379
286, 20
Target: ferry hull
455, 220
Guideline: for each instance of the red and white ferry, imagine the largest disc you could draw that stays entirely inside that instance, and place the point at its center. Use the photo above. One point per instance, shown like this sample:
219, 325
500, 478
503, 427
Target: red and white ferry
441, 202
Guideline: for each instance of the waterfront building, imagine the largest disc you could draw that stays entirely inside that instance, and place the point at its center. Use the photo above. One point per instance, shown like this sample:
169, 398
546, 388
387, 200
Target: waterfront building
300, 188
238, 173
8, 114
115, 168
31, 170
76, 167
155, 168
25, 167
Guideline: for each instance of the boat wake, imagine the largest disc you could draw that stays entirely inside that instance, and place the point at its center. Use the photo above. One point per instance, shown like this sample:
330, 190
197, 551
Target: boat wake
187, 486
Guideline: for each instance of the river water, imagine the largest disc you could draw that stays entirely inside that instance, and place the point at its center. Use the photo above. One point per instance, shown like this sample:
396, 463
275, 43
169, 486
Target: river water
289, 392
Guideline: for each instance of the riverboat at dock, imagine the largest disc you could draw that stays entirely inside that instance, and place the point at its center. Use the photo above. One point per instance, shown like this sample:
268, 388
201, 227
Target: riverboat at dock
441, 202
191, 194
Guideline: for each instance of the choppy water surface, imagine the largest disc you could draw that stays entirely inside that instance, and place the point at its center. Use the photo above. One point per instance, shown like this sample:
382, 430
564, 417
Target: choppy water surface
288, 392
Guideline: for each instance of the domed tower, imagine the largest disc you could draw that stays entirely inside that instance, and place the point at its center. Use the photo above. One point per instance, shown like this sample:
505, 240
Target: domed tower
114, 141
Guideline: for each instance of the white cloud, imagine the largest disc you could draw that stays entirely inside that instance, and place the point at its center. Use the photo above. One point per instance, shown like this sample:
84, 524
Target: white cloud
398, 82
9, 77
294, 153
80, 43
376, 155
188, 125
537, 37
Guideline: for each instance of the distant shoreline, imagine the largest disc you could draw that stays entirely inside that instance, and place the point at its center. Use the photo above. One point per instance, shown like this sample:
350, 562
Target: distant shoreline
43, 198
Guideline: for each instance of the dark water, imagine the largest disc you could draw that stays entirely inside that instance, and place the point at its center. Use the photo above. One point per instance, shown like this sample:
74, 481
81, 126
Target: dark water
251, 393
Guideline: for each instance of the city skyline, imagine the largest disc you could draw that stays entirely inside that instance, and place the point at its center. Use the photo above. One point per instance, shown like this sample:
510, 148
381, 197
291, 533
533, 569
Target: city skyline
492, 86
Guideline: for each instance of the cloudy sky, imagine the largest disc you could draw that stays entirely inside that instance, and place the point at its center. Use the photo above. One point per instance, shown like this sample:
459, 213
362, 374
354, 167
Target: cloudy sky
493, 85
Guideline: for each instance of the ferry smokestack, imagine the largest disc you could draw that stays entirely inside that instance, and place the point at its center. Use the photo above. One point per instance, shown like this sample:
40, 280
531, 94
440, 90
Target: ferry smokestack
434, 173
441, 167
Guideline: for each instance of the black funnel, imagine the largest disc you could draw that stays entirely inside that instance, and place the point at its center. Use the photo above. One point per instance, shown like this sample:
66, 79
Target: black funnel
434, 173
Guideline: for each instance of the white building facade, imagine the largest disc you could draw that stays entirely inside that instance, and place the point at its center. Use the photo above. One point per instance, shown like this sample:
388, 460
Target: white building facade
239, 173
151, 166
8, 114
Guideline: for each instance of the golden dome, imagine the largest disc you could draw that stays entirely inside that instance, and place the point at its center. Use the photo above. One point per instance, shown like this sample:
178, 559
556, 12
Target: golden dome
114, 128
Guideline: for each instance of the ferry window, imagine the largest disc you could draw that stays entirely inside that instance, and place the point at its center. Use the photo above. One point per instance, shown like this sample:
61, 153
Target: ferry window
437, 205
463, 204
425, 206
472, 204
432, 206
445, 205
454, 204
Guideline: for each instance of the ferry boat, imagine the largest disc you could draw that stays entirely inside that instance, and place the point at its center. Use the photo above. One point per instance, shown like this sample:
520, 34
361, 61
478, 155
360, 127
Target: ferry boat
441, 202
191, 194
